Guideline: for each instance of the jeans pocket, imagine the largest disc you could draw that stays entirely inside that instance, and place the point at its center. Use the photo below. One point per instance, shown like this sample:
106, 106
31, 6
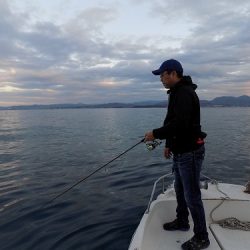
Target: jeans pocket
186, 159
200, 153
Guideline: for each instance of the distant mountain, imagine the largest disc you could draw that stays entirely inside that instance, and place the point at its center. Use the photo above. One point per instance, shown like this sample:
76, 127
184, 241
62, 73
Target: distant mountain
223, 101
229, 101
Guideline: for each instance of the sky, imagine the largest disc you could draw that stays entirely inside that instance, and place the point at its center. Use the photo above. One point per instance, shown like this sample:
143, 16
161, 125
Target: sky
89, 51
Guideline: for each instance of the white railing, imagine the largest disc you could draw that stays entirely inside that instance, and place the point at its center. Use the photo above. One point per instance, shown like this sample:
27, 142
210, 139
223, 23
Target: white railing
163, 177
154, 187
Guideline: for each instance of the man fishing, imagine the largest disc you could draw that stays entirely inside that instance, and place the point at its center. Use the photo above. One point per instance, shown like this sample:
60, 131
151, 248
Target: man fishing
185, 141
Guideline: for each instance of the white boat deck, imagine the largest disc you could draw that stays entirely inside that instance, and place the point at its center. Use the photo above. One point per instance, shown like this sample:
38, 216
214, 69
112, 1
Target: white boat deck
174, 240
150, 234
231, 239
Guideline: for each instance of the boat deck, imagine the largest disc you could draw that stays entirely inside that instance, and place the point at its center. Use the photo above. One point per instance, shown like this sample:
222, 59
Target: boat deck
174, 240
220, 238
231, 239
150, 234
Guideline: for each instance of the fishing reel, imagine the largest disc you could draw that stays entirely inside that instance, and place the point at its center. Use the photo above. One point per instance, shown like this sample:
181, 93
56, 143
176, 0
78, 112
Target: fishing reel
151, 145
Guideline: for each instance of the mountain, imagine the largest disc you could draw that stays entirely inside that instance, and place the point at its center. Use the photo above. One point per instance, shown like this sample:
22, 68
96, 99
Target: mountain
229, 101
223, 101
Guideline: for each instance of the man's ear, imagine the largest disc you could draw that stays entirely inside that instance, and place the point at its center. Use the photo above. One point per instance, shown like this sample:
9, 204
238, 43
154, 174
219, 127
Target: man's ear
174, 74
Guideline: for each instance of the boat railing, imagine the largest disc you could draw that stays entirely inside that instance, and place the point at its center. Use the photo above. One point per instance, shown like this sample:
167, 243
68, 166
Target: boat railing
162, 178
203, 185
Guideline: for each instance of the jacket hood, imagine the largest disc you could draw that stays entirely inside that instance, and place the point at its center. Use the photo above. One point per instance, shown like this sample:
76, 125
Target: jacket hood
185, 81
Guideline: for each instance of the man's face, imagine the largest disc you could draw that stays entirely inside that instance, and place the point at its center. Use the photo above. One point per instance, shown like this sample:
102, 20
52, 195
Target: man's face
168, 79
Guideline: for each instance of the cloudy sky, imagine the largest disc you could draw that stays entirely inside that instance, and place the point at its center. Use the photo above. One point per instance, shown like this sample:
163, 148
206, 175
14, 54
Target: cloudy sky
90, 51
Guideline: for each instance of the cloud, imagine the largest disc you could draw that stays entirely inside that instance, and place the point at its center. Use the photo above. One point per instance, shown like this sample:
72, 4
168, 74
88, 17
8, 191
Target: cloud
218, 44
76, 61
75, 57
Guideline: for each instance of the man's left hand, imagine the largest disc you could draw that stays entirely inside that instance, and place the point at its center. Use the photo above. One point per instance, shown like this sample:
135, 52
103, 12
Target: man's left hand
149, 136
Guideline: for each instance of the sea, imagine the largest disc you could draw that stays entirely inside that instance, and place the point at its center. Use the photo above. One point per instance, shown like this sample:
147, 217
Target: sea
44, 152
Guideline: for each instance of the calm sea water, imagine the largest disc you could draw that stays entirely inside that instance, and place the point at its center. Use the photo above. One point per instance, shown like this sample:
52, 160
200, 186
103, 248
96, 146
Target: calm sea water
42, 152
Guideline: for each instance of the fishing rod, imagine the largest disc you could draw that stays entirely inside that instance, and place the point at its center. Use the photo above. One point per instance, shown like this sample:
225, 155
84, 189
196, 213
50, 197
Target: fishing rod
150, 146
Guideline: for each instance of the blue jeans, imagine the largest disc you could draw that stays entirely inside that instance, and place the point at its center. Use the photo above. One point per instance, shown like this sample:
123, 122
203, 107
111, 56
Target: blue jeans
187, 167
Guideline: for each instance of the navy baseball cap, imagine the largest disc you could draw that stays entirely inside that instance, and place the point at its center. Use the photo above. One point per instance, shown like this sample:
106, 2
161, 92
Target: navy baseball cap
169, 65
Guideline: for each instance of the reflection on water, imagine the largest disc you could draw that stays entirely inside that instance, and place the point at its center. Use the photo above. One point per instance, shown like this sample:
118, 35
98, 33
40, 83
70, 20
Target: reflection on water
42, 152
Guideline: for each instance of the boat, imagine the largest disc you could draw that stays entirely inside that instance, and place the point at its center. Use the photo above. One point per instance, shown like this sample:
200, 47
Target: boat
227, 209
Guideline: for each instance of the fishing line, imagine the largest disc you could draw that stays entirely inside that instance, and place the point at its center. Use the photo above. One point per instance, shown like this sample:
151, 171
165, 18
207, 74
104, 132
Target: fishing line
88, 176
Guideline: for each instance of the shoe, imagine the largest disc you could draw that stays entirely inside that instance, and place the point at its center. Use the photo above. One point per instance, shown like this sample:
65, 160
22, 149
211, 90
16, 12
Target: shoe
195, 244
176, 225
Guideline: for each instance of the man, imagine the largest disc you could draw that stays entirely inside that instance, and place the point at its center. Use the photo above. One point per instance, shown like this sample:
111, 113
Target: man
185, 140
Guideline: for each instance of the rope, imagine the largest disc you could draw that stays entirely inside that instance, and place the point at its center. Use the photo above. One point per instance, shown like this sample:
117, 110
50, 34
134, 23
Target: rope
230, 222
233, 223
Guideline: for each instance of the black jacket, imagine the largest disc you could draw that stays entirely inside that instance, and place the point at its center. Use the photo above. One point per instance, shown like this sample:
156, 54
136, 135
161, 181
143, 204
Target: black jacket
181, 127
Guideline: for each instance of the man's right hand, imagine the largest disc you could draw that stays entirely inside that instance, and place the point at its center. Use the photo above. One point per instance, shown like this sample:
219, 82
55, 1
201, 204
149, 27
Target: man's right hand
167, 153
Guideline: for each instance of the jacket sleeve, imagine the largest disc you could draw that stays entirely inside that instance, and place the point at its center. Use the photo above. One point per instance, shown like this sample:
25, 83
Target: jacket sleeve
181, 119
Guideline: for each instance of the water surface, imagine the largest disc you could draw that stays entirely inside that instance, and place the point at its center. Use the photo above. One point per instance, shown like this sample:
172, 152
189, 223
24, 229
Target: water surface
42, 152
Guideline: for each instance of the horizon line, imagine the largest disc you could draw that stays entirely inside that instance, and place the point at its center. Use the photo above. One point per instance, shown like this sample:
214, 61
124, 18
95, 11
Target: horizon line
106, 103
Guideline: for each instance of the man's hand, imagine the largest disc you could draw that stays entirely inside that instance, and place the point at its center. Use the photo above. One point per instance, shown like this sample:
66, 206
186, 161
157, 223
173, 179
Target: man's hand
167, 153
149, 136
